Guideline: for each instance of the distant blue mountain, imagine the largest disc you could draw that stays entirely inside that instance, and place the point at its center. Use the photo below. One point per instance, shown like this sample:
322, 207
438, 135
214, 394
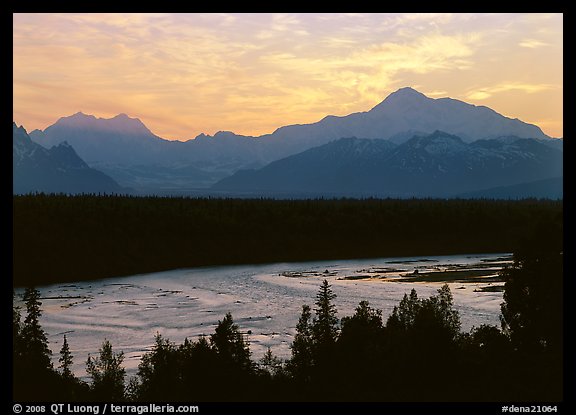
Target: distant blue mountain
128, 151
435, 165
408, 111
58, 169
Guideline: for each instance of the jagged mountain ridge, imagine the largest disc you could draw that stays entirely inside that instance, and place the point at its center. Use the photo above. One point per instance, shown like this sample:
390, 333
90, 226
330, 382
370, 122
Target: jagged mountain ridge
118, 139
436, 165
125, 140
127, 150
409, 110
130, 153
54, 170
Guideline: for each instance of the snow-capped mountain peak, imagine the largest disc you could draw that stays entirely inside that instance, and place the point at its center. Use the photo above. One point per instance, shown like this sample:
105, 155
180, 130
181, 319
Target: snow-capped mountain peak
403, 98
121, 123
125, 144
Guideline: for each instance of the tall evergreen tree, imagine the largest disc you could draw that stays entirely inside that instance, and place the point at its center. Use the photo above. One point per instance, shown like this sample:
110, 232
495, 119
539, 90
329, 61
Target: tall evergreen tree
230, 344
325, 324
16, 331
66, 360
69, 387
107, 374
532, 311
34, 343
34, 378
301, 361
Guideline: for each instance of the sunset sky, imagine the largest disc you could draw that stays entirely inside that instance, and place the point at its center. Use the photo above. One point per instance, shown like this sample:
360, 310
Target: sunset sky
186, 74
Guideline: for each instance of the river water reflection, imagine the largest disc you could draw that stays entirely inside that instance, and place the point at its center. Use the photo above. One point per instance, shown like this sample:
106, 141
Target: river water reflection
265, 300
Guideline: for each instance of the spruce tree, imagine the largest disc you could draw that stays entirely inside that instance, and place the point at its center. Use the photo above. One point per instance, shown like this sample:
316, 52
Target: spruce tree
34, 343
66, 360
34, 378
301, 361
16, 332
325, 324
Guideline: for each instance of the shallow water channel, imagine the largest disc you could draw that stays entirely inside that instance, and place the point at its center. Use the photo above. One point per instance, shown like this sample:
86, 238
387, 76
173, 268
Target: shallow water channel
265, 300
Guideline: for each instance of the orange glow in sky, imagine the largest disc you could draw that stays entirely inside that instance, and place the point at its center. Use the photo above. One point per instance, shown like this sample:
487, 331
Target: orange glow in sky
186, 74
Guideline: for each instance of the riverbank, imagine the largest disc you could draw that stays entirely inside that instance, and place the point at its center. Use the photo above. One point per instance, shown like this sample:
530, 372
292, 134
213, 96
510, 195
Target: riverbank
59, 238
265, 301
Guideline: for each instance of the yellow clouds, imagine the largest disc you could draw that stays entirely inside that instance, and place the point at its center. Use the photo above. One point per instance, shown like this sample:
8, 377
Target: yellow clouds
425, 54
487, 92
540, 104
149, 66
362, 76
479, 95
282, 24
184, 74
532, 43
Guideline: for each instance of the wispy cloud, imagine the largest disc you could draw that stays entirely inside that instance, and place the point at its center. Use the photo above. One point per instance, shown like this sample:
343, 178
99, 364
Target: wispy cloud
252, 73
487, 92
281, 25
434, 94
532, 43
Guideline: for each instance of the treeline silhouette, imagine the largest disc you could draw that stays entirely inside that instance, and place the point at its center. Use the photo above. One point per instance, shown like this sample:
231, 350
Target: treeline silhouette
69, 238
418, 353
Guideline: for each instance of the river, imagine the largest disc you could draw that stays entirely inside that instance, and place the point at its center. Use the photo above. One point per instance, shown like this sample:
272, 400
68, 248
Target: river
265, 301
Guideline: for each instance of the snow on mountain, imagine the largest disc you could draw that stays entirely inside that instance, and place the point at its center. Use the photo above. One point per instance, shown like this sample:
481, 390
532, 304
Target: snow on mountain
438, 144
410, 110
120, 124
118, 139
436, 165
127, 150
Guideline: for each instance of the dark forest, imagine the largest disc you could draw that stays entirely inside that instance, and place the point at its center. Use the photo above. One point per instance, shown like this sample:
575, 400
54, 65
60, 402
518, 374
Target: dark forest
60, 238
418, 353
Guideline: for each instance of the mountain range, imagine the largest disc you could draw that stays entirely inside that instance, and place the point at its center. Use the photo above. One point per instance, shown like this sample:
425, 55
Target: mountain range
54, 170
434, 165
398, 152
